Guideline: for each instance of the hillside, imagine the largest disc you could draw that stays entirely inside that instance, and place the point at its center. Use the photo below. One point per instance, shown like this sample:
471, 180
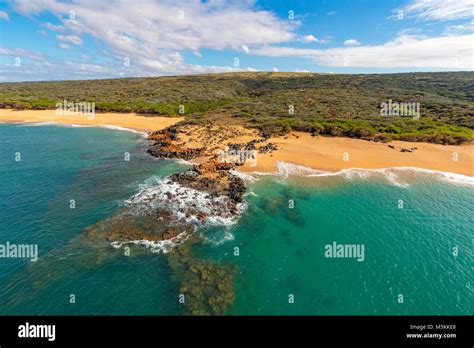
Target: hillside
339, 105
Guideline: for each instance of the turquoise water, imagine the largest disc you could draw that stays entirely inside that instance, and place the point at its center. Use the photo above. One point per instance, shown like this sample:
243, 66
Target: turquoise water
407, 251
281, 250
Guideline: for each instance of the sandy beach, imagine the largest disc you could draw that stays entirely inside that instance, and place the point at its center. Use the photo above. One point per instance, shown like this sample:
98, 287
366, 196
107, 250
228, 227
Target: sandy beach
322, 153
329, 154
125, 120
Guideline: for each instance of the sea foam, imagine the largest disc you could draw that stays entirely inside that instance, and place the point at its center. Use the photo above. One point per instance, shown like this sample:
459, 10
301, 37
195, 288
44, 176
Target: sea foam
160, 246
286, 169
184, 203
244, 176
73, 125
391, 174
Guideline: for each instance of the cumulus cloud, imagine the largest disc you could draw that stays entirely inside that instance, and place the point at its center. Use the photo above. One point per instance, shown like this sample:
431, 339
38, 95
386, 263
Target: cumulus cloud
4, 15
76, 40
21, 53
153, 34
312, 38
55, 69
351, 42
52, 27
405, 51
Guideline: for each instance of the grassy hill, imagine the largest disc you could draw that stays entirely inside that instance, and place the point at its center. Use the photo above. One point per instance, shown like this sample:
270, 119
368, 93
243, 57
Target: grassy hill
339, 105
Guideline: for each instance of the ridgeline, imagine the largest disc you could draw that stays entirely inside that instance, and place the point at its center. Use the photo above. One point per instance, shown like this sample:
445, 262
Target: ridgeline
275, 103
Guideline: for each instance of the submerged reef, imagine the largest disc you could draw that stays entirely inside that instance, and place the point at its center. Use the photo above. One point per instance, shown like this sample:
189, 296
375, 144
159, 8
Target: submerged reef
207, 286
164, 218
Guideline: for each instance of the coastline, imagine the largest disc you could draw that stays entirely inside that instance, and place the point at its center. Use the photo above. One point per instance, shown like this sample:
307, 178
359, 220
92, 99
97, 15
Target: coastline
327, 154
125, 121
297, 148
211, 194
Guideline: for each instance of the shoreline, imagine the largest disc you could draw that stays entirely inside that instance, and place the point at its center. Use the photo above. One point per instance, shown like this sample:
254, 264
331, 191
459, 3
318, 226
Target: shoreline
324, 154
334, 154
75, 125
390, 174
126, 121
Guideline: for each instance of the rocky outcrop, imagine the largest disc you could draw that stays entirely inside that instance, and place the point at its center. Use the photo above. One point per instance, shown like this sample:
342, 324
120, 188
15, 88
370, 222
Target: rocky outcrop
404, 149
127, 226
207, 286
268, 148
213, 176
164, 145
252, 145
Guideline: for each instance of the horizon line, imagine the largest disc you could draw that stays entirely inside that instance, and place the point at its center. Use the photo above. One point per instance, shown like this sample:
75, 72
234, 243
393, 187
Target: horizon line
244, 72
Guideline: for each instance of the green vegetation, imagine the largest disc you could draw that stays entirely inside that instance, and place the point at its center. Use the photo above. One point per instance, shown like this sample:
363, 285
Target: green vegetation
330, 104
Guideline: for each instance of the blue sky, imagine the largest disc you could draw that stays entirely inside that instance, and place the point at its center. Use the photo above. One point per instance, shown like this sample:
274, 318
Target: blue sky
84, 39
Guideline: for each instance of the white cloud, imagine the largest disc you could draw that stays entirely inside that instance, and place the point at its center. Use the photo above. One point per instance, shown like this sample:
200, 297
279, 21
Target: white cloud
152, 34
405, 51
21, 53
312, 38
4, 15
351, 42
54, 69
53, 27
440, 9
73, 25
275, 69
76, 40
213, 24
461, 28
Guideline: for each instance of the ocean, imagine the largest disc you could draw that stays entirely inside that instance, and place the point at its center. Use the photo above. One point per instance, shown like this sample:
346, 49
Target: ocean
357, 242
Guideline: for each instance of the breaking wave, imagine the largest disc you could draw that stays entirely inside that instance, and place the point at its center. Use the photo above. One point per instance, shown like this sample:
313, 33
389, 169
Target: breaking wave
392, 174
161, 246
186, 204
73, 125
244, 176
